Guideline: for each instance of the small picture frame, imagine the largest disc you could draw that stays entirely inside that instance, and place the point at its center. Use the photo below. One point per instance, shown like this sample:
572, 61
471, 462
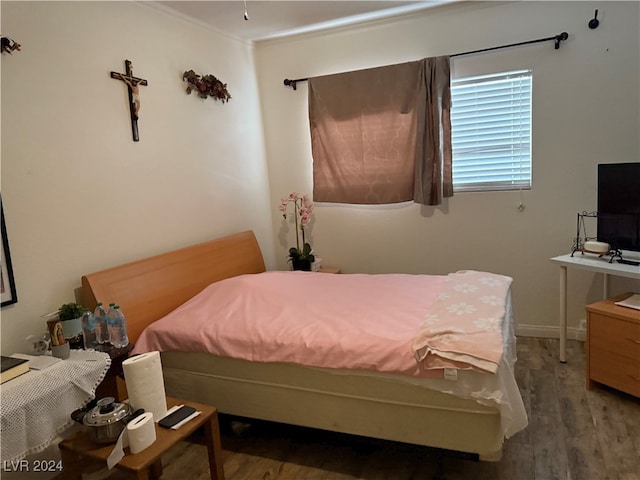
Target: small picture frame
7, 283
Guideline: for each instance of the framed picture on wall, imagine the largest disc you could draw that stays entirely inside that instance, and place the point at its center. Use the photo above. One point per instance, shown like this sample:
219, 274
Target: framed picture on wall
7, 284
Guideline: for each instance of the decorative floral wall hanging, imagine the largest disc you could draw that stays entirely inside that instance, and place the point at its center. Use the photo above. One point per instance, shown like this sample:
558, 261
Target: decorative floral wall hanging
206, 86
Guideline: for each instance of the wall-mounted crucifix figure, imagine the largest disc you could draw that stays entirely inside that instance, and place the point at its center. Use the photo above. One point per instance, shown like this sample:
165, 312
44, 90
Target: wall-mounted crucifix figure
134, 94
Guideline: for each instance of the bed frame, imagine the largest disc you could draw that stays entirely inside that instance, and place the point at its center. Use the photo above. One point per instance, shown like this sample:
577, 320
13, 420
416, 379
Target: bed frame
348, 402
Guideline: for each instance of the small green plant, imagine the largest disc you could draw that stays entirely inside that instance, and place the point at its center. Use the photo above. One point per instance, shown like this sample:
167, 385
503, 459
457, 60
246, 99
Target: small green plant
69, 311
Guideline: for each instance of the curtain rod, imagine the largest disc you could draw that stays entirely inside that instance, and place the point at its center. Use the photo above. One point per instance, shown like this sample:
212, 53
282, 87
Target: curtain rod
556, 38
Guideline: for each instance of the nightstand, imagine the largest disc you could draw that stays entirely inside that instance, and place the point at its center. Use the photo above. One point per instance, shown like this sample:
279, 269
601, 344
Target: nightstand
109, 386
330, 270
613, 345
79, 449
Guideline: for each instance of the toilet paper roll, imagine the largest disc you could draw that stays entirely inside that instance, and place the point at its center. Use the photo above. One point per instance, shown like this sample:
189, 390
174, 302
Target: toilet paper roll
141, 432
117, 453
145, 385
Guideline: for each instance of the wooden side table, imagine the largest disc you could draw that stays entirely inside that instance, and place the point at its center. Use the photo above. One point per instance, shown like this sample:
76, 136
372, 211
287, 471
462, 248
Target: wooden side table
330, 270
613, 345
147, 465
109, 386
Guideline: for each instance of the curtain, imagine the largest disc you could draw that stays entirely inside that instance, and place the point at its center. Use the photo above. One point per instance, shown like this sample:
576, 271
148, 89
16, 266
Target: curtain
434, 171
372, 132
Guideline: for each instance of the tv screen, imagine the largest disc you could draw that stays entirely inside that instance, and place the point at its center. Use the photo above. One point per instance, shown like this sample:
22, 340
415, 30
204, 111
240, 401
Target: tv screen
619, 205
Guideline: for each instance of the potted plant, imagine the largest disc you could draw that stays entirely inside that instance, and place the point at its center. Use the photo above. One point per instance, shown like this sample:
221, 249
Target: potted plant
70, 314
300, 258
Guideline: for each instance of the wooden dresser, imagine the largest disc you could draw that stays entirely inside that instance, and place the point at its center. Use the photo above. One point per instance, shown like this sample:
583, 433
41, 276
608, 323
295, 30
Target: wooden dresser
613, 345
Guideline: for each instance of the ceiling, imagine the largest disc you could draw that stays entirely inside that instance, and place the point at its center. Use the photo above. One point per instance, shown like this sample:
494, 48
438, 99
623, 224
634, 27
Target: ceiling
274, 19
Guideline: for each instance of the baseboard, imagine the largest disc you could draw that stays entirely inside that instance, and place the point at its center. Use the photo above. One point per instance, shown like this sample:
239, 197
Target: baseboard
548, 331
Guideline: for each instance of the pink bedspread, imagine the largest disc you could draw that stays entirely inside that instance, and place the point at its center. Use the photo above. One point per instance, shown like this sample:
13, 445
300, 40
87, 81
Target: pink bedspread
413, 325
464, 327
353, 321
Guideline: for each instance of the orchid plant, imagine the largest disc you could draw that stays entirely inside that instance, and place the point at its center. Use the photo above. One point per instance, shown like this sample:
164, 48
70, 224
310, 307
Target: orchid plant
302, 211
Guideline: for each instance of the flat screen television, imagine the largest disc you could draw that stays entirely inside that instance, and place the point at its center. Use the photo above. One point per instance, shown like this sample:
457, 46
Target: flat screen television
619, 205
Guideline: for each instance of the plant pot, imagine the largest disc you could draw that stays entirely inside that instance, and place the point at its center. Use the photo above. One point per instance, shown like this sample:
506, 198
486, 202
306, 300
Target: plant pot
303, 264
61, 351
72, 328
73, 332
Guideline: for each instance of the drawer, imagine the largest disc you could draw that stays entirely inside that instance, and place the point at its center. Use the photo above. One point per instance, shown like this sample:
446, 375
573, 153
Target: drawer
615, 370
614, 335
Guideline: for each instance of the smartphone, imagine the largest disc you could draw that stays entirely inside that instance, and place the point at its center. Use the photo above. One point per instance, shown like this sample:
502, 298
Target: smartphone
176, 417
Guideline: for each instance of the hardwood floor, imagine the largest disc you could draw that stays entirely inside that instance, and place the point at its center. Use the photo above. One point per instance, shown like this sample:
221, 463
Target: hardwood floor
573, 434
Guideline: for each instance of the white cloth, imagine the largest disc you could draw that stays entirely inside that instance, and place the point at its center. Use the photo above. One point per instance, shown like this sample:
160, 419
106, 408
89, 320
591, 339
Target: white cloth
36, 406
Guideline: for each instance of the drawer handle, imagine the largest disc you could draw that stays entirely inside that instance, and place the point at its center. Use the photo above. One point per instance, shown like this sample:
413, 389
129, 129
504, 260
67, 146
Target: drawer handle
633, 340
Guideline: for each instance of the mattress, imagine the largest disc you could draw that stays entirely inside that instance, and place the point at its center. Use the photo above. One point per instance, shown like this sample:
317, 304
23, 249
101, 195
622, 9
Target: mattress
203, 338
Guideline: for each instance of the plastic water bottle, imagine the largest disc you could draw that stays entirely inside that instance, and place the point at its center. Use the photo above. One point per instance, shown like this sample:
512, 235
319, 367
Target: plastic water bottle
117, 328
88, 329
110, 313
102, 331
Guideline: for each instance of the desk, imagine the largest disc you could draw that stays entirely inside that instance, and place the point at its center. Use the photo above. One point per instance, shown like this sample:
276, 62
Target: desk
595, 264
37, 405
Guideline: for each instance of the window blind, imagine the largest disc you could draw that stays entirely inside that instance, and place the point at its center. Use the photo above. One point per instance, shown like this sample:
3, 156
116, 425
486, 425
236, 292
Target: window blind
491, 131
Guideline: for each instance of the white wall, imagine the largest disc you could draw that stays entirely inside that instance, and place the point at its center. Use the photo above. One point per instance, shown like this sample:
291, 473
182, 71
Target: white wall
78, 194
585, 111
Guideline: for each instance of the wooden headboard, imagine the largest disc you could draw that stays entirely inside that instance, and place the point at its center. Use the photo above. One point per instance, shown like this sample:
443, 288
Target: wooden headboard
150, 288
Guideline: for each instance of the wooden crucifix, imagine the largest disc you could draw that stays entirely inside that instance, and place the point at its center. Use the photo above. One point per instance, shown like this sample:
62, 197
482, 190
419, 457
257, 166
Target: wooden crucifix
134, 94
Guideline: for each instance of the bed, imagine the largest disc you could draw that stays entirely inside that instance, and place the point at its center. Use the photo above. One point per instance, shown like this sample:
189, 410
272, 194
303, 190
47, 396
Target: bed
456, 409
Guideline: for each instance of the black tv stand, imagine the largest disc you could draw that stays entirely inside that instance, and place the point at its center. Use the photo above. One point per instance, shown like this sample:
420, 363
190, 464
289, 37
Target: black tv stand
616, 254
628, 262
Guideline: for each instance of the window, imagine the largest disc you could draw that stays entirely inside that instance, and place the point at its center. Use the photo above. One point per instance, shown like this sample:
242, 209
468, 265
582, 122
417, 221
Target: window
491, 131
